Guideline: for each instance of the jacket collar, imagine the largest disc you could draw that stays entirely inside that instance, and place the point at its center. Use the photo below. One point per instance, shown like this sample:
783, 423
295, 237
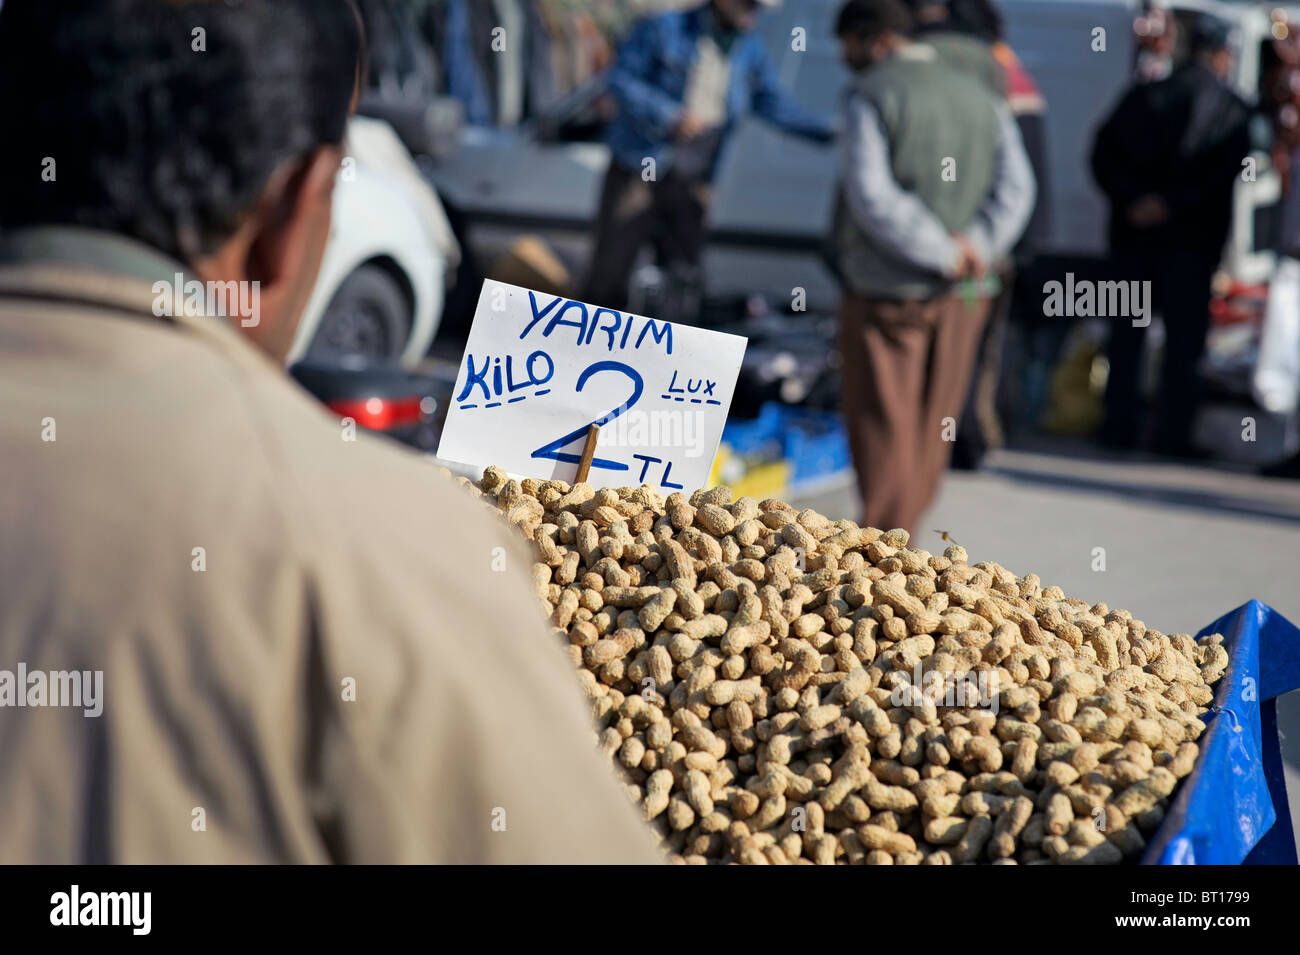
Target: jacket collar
76, 266
88, 266
696, 19
917, 50
914, 51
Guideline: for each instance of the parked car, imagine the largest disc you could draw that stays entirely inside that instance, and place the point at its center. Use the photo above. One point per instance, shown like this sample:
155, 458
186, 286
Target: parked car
383, 277
377, 397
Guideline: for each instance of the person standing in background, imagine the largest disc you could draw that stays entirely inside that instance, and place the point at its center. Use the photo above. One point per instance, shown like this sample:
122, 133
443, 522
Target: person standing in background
1275, 384
1275, 381
682, 81
492, 55
968, 36
1168, 158
936, 186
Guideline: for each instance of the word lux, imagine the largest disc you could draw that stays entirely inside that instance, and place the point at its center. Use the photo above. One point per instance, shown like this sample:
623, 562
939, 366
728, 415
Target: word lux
701, 386
102, 908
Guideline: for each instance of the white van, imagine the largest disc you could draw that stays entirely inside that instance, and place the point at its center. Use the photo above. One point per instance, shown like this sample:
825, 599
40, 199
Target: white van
379, 295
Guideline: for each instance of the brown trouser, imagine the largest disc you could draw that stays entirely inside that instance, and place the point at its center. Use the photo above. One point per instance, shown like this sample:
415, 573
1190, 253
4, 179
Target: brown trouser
907, 365
671, 212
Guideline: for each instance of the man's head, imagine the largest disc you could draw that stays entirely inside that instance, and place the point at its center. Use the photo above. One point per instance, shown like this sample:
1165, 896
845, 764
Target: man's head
208, 129
1213, 42
977, 18
869, 30
928, 13
1156, 28
741, 15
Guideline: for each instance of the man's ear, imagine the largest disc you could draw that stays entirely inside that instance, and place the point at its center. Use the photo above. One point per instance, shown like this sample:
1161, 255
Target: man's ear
292, 213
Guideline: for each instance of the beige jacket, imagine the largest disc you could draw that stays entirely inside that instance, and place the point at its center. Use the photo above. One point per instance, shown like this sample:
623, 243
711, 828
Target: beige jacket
225, 733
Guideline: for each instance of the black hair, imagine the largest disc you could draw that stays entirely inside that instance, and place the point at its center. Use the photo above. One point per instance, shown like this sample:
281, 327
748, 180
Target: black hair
870, 18
165, 118
1209, 34
979, 18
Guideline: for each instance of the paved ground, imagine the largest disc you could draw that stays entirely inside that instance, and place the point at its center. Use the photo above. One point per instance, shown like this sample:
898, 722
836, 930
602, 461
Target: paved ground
1182, 545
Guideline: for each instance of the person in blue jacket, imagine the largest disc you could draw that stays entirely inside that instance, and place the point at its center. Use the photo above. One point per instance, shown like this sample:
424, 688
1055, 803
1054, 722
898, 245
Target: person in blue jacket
682, 81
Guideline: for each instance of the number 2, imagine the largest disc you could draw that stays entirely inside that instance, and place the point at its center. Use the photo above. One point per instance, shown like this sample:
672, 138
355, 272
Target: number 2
552, 450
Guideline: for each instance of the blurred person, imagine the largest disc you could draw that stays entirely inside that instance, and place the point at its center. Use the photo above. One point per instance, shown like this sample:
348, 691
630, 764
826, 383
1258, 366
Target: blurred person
969, 36
1275, 382
1275, 379
1168, 157
682, 81
300, 637
1036, 343
936, 187
494, 55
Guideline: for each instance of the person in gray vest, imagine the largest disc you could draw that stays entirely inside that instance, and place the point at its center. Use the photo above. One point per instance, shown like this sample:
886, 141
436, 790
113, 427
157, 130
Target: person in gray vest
936, 186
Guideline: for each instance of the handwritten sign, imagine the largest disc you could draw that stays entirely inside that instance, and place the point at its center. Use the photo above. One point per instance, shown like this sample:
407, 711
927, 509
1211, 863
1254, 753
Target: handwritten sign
539, 369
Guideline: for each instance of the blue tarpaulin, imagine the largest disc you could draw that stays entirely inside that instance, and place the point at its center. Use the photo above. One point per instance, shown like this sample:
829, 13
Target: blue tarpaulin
815, 443
1232, 809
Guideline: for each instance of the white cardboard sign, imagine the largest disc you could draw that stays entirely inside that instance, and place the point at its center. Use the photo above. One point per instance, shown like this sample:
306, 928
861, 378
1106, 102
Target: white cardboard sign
539, 369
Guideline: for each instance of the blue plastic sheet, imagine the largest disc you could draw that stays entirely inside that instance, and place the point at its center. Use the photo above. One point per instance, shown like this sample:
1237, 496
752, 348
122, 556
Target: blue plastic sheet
815, 443
1232, 809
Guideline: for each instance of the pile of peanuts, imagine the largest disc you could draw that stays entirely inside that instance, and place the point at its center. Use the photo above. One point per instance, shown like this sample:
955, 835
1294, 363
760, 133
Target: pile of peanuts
778, 687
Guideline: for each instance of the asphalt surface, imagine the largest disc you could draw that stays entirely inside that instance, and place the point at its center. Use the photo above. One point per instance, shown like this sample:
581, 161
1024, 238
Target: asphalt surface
1183, 545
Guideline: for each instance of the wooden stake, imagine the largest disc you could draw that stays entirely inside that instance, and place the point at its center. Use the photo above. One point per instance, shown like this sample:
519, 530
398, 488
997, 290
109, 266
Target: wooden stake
588, 452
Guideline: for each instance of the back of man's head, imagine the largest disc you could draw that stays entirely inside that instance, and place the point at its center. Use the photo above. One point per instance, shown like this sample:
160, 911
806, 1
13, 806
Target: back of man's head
1213, 43
977, 18
164, 120
1209, 34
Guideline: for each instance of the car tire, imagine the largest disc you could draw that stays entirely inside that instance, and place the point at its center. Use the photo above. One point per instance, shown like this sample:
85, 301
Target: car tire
368, 317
